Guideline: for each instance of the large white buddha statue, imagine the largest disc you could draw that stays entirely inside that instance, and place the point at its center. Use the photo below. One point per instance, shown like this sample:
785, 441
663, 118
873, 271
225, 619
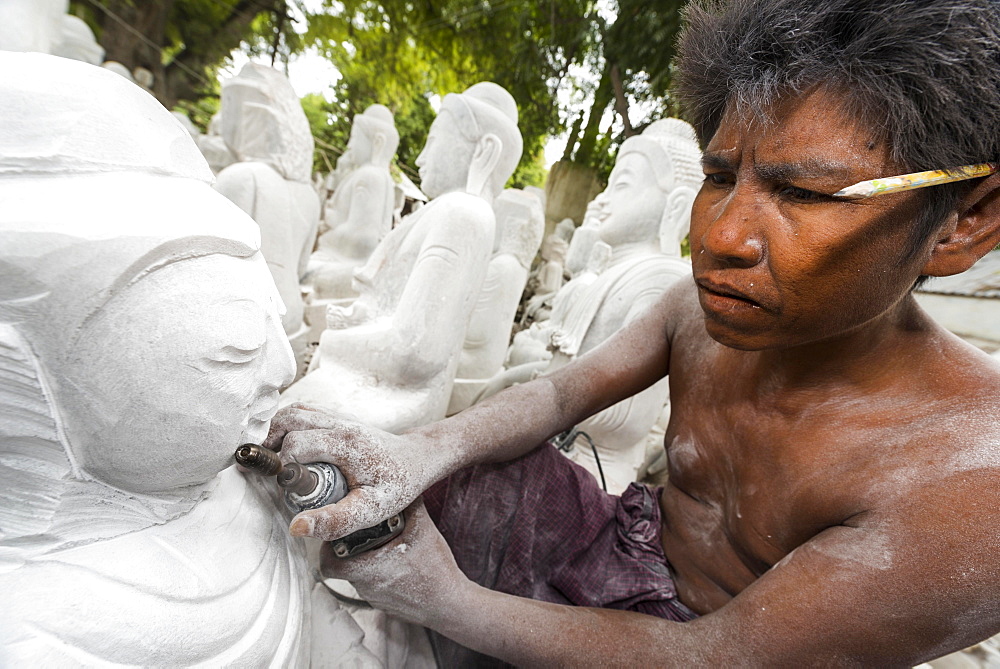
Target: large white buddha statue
265, 128
359, 213
140, 344
389, 359
520, 226
639, 220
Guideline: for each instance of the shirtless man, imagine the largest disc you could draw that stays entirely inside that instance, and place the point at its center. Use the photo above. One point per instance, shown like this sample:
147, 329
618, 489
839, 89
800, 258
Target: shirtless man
834, 454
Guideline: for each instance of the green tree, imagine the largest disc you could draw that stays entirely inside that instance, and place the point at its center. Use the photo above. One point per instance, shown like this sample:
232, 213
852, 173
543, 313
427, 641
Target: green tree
397, 51
183, 42
633, 55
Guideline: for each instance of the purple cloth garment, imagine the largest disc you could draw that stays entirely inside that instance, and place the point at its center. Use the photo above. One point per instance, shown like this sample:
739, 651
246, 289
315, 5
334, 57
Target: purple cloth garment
541, 527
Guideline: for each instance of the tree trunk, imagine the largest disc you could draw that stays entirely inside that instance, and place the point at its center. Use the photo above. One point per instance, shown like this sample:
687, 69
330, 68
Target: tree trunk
133, 33
621, 102
602, 98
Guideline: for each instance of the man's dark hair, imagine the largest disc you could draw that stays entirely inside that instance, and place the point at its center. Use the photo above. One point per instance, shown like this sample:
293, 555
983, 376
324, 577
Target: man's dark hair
922, 75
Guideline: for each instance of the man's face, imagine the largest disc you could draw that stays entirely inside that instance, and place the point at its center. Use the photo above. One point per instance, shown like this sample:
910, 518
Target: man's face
777, 262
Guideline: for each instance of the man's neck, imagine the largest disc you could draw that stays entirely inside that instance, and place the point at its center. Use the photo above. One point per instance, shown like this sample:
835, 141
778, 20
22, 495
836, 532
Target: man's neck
865, 359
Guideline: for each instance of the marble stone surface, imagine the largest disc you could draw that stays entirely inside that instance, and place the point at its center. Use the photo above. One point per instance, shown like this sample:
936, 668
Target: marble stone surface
263, 125
140, 344
389, 359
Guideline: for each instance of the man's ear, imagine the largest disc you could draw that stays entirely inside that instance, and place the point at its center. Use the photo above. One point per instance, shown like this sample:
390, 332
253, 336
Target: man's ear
970, 233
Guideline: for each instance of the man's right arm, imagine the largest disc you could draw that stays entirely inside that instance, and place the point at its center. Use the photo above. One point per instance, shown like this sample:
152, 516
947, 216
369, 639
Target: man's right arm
387, 472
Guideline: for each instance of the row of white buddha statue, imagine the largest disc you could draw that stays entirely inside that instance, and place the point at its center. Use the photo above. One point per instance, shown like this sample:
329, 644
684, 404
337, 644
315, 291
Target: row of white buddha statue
631, 240
391, 356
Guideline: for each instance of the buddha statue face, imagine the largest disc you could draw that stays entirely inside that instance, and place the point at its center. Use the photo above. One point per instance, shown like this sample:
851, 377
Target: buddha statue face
633, 203
149, 320
174, 373
446, 157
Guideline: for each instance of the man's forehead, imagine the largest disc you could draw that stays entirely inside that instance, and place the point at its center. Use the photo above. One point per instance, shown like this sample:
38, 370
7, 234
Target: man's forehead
810, 135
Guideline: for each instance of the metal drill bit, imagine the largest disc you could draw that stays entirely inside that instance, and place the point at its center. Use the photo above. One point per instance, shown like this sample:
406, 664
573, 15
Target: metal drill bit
258, 459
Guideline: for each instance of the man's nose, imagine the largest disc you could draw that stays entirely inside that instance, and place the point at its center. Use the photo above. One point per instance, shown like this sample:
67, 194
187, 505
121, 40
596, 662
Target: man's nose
732, 234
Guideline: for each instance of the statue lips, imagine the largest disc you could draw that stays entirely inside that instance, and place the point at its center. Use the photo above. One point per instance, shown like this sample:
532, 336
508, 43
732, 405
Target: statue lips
263, 408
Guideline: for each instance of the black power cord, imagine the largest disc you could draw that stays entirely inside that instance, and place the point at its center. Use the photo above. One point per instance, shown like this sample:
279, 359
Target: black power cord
564, 442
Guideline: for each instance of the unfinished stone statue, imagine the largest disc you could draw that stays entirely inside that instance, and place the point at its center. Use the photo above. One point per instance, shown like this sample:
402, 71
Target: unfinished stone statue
44, 26
390, 358
264, 126
533, 346
520, 225
31, 25
77, 41
549, 276
648, 198
213, 146
140, 344
359, 213
584, 238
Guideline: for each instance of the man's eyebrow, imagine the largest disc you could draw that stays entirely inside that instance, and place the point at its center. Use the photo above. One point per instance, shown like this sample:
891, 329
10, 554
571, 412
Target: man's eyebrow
810, 168
718, 162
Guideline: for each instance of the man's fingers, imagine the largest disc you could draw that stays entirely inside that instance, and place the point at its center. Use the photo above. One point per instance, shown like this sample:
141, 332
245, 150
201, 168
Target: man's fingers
298, 417
322, 445
354, 512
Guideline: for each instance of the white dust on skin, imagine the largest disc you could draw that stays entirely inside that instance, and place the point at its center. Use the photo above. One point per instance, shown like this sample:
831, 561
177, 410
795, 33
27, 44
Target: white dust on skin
383, 472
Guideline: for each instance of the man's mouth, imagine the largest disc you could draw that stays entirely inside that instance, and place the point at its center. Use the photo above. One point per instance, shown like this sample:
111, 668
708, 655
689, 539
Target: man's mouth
724, 296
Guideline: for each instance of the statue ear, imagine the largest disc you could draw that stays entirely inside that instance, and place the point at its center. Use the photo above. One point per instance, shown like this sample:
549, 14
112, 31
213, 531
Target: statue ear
676, 219
970, 232
484, 161
378, 143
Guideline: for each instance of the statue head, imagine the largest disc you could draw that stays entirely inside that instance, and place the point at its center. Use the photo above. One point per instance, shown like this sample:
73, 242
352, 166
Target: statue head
652, 187
133, 297
373, 140
263, 121
473, 145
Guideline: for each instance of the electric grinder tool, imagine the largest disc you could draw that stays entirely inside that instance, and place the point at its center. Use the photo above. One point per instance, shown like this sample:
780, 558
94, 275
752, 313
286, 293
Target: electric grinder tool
313, 485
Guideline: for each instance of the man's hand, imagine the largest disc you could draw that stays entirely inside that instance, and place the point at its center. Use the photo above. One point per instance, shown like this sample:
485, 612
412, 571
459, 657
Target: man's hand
413, 577
384, 472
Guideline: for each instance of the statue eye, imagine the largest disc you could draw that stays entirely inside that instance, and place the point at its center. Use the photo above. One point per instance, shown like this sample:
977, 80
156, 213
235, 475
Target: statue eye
236, 355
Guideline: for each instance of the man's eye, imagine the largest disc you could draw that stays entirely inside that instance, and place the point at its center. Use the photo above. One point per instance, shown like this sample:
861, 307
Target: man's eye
801, 195
718, 179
